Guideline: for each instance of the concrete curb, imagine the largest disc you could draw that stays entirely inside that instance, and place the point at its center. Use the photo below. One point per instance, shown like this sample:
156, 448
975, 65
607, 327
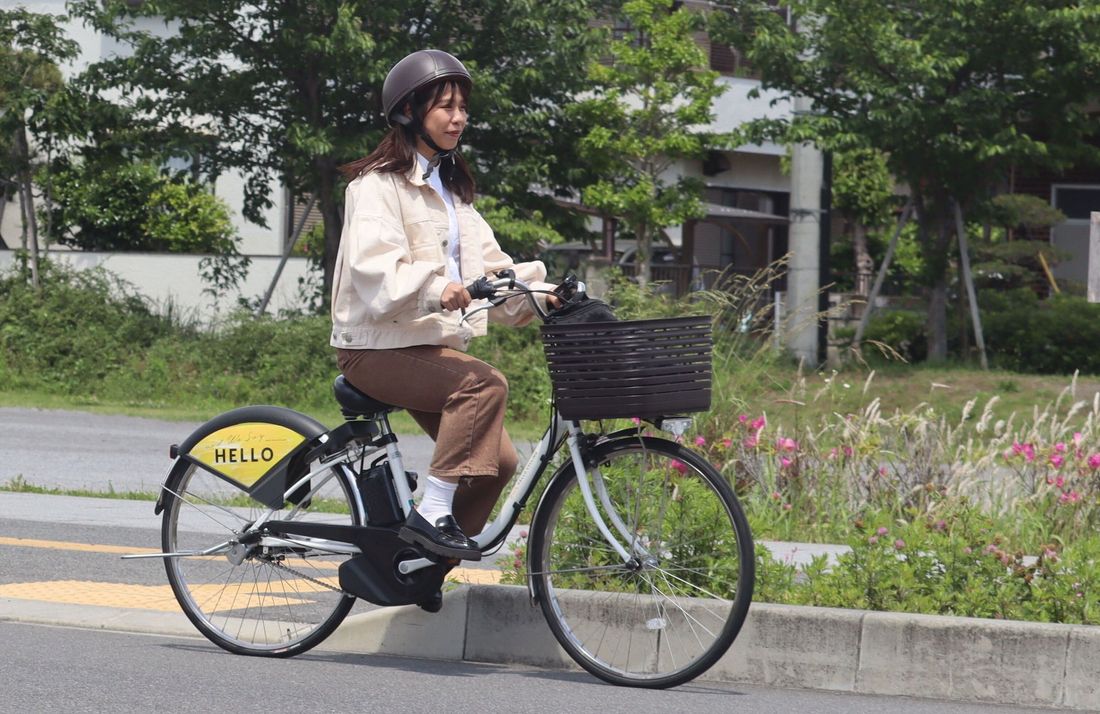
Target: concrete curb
955, 658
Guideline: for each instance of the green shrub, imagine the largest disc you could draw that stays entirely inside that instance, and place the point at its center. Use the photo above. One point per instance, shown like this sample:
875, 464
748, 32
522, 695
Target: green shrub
1054, 336
955, 563
88, 332
902, 331
134, 207
80, 327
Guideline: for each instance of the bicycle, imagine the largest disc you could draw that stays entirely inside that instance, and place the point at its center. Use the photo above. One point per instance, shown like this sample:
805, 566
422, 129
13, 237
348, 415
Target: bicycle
640, 555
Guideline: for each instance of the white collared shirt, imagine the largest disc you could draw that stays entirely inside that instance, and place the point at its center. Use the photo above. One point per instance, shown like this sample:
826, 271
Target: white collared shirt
454, 254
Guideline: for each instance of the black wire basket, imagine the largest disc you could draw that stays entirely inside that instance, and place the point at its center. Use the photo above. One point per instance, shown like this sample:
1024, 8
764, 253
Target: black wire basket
633, 368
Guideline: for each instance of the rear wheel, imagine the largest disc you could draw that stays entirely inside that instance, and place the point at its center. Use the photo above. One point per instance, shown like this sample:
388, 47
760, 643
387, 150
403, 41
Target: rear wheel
669, 614
273, 601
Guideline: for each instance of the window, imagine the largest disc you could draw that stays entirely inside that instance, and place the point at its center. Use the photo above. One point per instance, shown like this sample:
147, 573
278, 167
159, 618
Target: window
1077, 202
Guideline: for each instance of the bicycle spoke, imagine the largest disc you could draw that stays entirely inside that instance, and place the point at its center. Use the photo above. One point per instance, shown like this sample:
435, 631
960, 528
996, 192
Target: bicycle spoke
265, 603
663, 618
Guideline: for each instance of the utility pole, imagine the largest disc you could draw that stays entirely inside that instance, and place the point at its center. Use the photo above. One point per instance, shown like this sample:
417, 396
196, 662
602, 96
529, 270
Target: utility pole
804, 245
1094, 257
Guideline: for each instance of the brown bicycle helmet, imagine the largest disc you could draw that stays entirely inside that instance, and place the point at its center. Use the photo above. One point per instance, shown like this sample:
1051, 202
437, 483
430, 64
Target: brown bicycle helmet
418, 70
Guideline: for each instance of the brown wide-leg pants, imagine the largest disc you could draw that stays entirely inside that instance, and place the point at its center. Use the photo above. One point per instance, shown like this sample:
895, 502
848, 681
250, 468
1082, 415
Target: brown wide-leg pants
460, 402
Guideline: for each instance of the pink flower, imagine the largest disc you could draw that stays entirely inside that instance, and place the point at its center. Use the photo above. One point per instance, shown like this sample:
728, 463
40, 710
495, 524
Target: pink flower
847, 450
742, 418
968, 550
899, 544
832, 453
1077, 436
873, 539
1094, 462
881, 470
636, 421
727, 443
751, 442
786, 506
518, 563
759, 423
882, 530
1070, 497
1060, 447
1026, 450
785, 462
940, 525
700, 441
776, 495
787, 444
679, 466
1060, 482
519, 552
1056, 460
523, 534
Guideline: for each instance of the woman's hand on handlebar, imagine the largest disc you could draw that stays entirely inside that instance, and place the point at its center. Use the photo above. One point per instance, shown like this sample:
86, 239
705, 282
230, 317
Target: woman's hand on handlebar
455, 297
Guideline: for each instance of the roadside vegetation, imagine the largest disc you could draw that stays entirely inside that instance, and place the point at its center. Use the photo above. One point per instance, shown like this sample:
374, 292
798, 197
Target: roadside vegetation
959, 491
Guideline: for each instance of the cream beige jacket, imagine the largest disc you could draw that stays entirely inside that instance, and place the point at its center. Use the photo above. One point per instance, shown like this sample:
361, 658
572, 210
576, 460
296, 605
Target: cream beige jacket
391, 267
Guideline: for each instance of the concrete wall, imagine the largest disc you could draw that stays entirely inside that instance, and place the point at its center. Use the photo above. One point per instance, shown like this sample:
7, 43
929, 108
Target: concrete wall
174, 279
951, 658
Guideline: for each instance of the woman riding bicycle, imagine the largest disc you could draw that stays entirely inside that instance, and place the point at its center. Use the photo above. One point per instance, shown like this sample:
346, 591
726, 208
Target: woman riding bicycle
411, 239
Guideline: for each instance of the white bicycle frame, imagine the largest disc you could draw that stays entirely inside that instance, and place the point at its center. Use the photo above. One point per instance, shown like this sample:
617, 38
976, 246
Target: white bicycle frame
591, 485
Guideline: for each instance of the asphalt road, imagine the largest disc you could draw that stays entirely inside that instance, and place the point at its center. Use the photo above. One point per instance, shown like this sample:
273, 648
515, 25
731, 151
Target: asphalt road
98, 452
70, 670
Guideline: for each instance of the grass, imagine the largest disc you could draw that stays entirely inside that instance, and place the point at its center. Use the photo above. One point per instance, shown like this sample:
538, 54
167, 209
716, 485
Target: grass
20, 485
791, 399
28, 399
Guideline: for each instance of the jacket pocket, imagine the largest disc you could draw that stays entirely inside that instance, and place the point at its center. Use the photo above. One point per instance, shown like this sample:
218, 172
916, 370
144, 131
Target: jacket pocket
425, 241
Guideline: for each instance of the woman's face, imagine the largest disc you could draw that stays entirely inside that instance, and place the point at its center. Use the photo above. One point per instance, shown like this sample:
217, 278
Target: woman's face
445, 121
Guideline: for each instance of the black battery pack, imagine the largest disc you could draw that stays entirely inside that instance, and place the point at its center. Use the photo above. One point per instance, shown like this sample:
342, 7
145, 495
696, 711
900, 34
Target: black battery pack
379, 496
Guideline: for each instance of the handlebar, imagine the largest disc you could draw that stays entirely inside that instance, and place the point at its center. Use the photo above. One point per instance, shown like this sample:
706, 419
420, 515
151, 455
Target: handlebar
485, 288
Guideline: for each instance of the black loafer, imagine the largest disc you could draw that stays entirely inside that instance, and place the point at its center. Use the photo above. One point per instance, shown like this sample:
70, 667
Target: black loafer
432, 603
445, 539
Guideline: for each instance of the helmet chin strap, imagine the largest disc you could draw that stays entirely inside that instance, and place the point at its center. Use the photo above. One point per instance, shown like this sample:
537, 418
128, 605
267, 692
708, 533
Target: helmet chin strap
440, 153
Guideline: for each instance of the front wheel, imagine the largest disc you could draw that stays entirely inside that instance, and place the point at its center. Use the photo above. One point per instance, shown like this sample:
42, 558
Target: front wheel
673, 610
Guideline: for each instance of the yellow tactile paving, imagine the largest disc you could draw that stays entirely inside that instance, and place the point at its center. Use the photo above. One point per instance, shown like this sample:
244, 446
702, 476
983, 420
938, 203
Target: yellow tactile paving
119, 549
475, 576
160, 597
67, 545
152, 597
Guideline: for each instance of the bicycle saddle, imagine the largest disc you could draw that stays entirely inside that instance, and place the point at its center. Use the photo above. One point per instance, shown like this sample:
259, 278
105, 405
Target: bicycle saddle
353, 403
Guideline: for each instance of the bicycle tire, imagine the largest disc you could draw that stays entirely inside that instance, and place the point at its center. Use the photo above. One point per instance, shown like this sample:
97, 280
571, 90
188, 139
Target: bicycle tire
680, 509
254, 607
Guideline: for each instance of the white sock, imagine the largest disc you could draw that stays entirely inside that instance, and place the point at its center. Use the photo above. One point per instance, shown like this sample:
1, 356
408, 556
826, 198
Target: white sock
437, 499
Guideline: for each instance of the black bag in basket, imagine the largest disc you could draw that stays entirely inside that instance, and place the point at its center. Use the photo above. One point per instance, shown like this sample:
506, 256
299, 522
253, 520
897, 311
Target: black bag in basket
587, 310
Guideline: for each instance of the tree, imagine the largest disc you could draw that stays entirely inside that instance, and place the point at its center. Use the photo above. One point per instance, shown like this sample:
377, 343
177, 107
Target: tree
862, 193
31, 45
651, 100
953, 92
289, 89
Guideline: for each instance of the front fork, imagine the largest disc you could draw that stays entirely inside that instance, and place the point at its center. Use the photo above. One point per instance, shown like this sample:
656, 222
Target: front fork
597, 489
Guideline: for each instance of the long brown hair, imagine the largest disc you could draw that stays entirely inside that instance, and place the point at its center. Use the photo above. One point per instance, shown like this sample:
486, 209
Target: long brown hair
396, 153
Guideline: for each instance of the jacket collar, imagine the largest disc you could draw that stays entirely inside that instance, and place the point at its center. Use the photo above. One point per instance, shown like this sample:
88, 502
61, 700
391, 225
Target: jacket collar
415, 175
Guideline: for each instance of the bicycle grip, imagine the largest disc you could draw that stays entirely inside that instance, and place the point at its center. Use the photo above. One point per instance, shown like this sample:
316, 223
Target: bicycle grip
480, 288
